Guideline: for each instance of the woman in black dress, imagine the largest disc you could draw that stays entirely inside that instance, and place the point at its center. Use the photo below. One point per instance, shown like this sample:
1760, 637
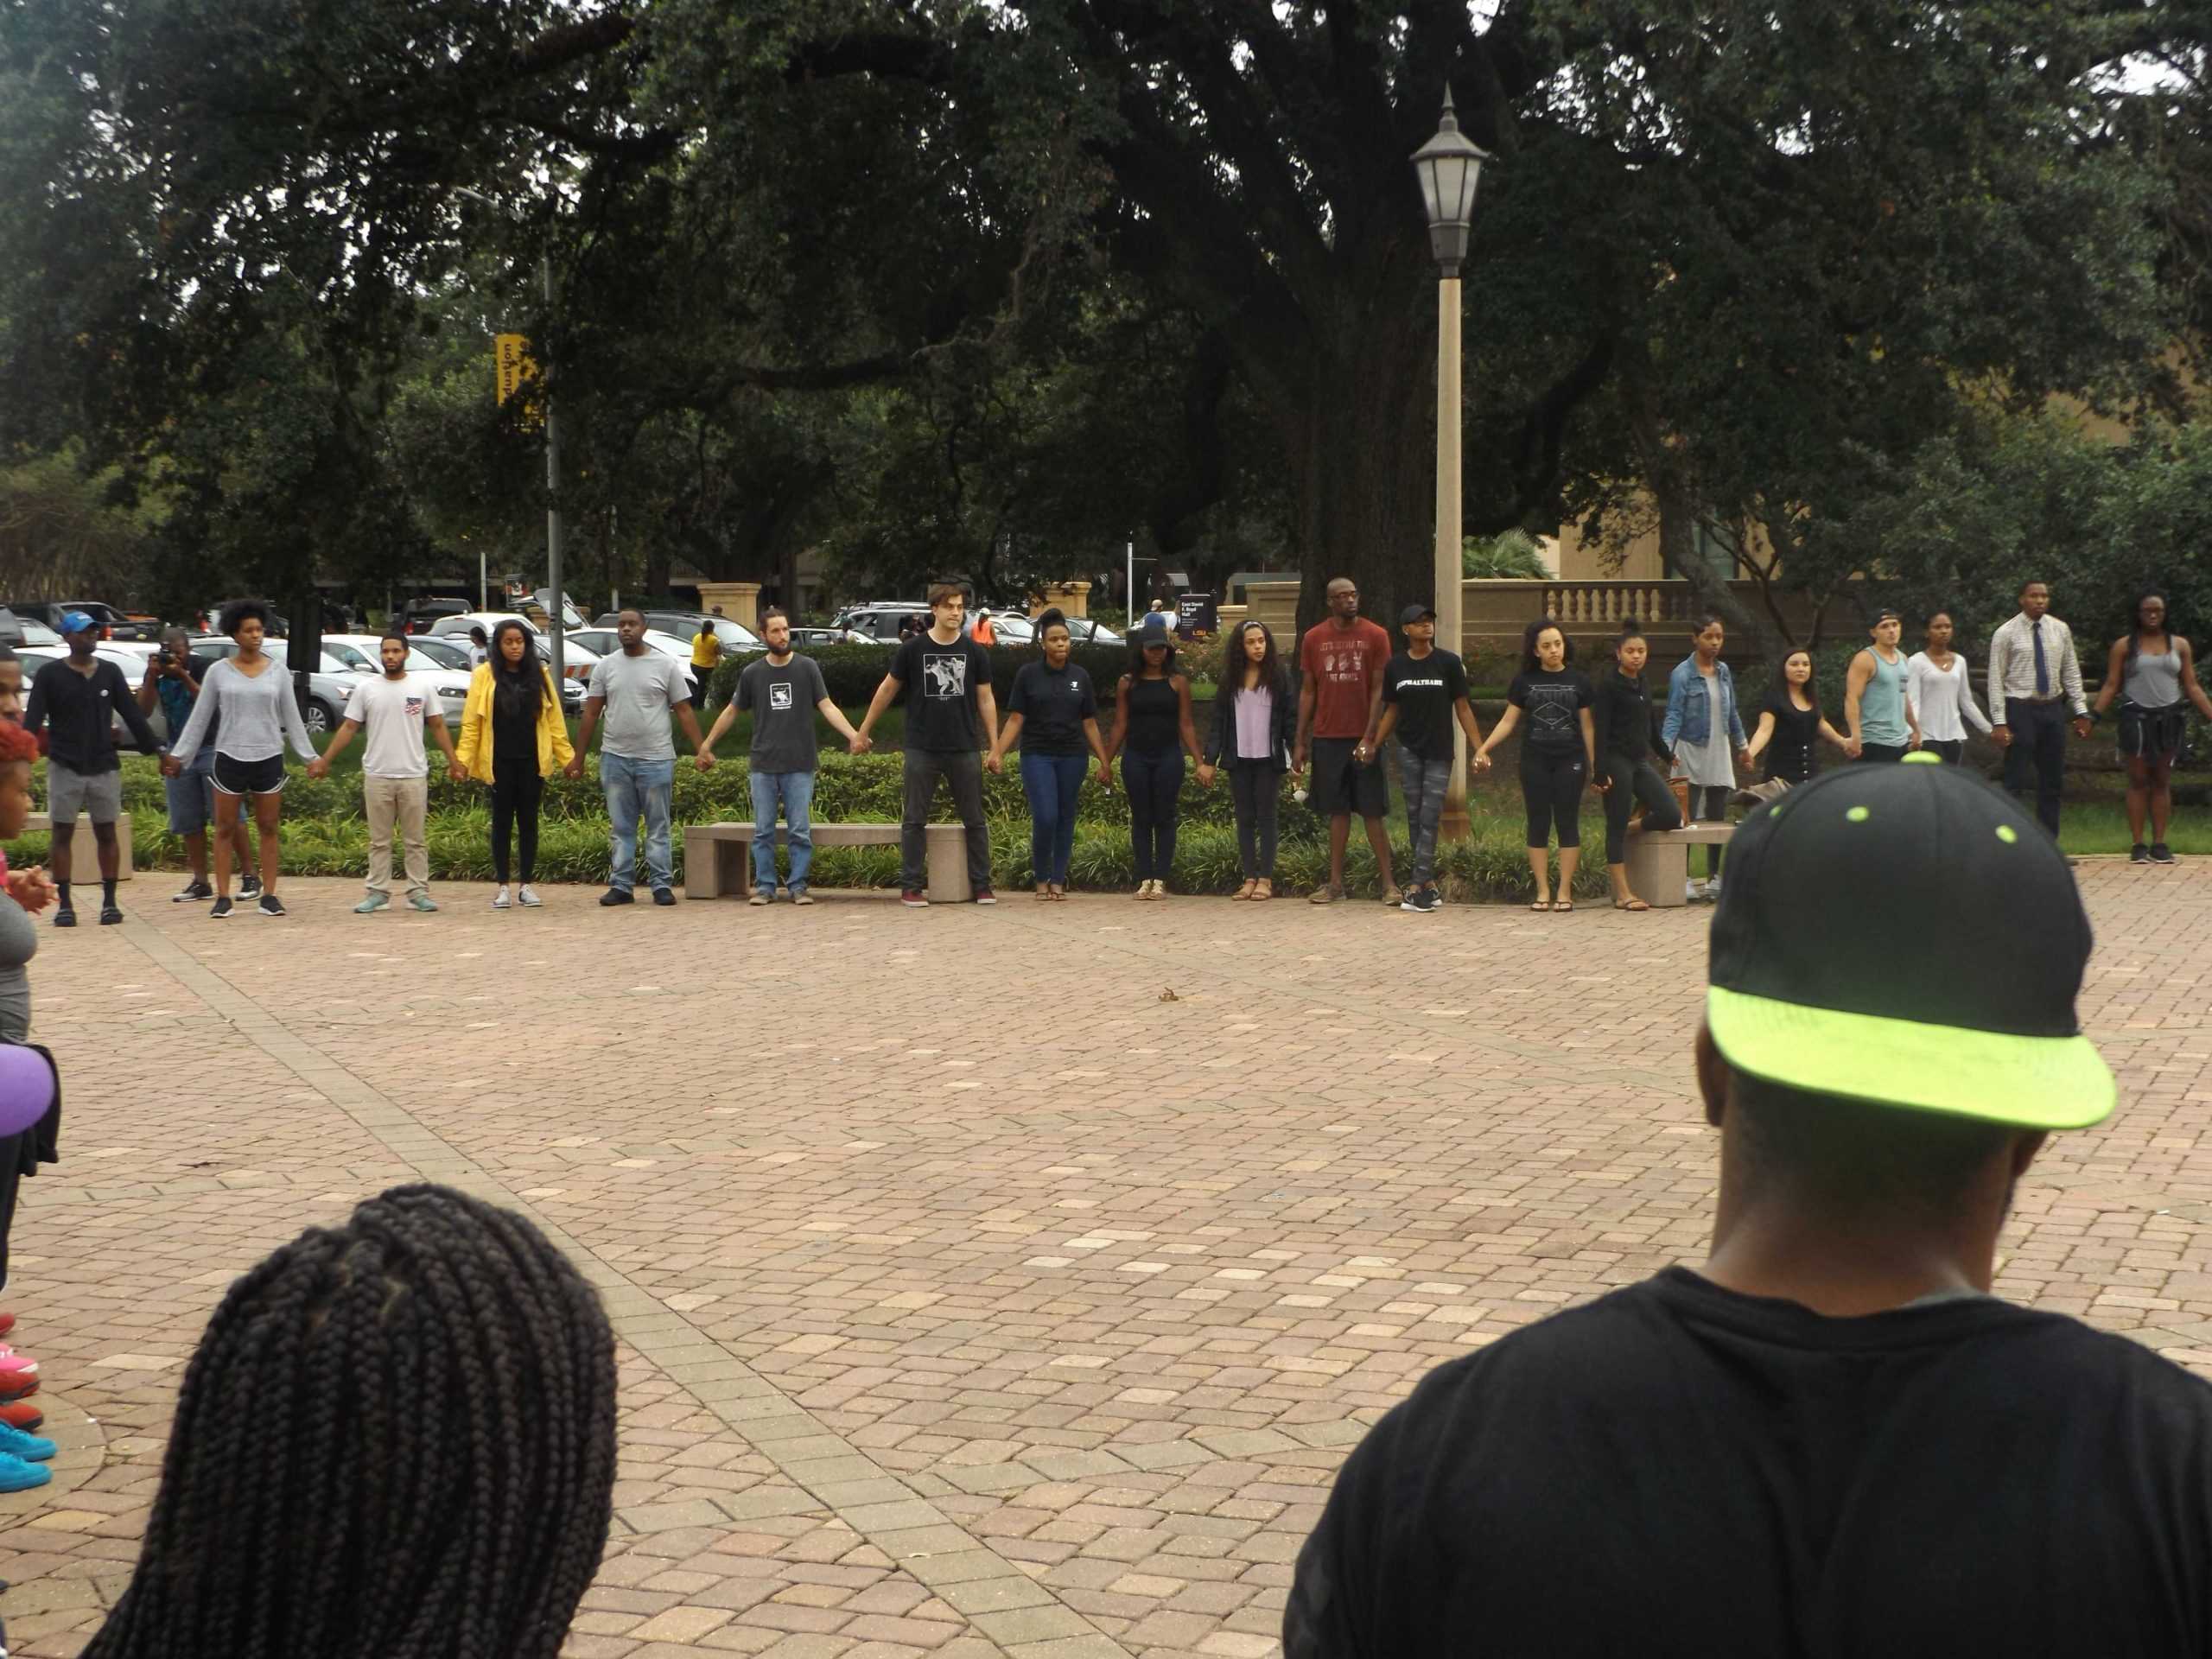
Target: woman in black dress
1627, 730
1791, 721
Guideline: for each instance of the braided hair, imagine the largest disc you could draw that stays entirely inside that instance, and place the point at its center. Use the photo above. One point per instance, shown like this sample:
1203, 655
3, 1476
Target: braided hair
395, 1441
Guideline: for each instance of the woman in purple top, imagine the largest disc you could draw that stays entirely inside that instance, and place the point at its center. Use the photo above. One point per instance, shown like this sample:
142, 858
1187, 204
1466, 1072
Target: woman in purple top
1254, 719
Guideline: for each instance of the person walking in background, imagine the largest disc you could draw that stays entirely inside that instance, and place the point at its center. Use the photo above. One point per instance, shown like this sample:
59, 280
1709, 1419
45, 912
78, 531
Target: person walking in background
247, 712
984, 633
952, 716
639, 689
706, 658
169, 683
1790, 723
2035, 678
1255, 729
782, 693
513, 737
1424, 691
1703, 729
1559, 754
1051, 715
1624, 731
480, 648
1151, 720
394, 708
1340, 663
1876, 710
1940, 693
431, 1355
2152, 671
76, 699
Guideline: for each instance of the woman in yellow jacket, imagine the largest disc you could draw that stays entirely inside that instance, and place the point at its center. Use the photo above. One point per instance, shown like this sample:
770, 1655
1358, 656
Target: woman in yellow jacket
513, 737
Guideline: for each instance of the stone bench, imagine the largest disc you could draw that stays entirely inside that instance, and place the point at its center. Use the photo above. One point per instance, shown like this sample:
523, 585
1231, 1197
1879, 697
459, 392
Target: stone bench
81, 847
1659, 860
718, 857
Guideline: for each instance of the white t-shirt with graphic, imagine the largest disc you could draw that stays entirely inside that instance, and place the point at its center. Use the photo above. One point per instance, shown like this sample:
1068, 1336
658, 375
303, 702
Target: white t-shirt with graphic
390, 714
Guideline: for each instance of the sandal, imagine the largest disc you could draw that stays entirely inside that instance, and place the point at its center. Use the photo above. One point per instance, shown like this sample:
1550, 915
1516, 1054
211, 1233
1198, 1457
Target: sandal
1322, 896
1542, 904
1563, 907
1044, 892
1245, 892
1262, 889
1631, 903
1055, 891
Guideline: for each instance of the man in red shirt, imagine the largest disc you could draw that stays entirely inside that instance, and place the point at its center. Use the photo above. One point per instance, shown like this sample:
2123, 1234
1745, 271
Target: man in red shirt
1340, 663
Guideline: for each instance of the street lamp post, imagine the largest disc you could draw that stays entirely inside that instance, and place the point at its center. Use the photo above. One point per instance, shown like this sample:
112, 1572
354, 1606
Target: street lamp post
1448, 166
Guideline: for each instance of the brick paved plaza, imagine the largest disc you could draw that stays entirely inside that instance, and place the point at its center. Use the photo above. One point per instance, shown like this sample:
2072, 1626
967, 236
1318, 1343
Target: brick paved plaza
988, 1281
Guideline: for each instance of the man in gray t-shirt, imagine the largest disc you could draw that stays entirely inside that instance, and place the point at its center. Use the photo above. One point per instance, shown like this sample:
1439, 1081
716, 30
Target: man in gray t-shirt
636, 689
782, 693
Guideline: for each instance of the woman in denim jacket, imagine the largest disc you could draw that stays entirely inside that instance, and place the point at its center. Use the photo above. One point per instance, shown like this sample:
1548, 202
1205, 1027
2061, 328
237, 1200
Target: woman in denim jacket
1704, 734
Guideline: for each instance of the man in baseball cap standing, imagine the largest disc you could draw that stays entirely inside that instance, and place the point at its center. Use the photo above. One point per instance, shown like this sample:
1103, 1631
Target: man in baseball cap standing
77, 699
1830, 1438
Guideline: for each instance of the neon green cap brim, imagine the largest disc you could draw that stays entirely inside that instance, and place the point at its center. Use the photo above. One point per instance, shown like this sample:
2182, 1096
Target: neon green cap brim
2028, 1083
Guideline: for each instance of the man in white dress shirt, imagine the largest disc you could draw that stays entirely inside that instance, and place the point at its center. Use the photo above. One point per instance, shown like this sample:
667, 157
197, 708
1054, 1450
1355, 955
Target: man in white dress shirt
2035, 679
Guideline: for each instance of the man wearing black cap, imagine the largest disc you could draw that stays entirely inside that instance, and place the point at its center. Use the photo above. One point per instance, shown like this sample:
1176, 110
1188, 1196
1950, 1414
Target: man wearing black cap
1424, 690
77, 699
1830, 1439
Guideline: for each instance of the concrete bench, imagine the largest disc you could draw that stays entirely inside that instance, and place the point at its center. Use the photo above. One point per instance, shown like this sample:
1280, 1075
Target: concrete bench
718, 857
82, 845
1659, 860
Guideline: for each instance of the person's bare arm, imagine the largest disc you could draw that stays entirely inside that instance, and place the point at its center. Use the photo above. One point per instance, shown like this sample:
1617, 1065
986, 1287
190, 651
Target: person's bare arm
723, 721
1097, 749
320, 766
1590, 743
589, 724
2190, 687
688, 718
1500, 732
1121, 729
2116, 668
878, 703
1009, 732
1306, 702
1473, 727
1759, 736
1854, 686
434, 720
986, 705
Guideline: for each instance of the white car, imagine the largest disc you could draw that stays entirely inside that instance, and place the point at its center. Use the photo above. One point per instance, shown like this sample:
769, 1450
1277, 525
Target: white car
605, 642
363, 654
576, 663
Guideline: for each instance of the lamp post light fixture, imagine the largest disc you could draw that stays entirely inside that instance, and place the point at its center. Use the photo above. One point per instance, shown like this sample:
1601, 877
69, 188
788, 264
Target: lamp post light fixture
1448, 166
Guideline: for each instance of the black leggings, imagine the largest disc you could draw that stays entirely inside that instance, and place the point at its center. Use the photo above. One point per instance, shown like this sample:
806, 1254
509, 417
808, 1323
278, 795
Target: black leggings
1153, 781
1634, 780
515, 790
1256, 787
1551, 787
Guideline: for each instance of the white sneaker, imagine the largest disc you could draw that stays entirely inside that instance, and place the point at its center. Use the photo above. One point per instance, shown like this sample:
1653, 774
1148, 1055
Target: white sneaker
500, 899
529, 897
1713, 890
1692, 892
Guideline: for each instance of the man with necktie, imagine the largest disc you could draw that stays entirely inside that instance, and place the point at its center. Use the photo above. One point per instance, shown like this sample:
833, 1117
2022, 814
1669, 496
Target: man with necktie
2035, 679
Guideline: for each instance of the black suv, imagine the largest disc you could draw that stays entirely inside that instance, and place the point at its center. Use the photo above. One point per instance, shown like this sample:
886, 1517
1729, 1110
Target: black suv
114, 625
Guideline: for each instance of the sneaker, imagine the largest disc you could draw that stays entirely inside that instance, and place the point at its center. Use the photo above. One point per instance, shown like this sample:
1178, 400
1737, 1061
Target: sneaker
500, 899
373, 902
783, 892
270, 904
759, 898
14, 1443
527, 896
110, 914
1322, 896
801, 896
1693, 891
2161, 853
249, 886
1419, 901
193, 893
17, 1476
914, 899
2138, 853
985, 896
1394, 896
1713, 891
618, 896
65, 917
663, 896
222, 908
21, 1413
423, 902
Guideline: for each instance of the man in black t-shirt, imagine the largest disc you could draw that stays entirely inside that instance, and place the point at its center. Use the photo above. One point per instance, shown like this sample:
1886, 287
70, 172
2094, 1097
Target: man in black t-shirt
951, 717
1424, 691
1830, 1439
77, 699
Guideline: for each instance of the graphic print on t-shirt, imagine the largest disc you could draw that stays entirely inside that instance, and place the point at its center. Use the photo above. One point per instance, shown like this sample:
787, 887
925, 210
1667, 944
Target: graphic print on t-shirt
944, 674
779, 694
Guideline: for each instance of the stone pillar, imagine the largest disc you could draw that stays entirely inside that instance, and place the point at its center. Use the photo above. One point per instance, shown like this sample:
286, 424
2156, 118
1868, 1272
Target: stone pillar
1073, 599
740, 601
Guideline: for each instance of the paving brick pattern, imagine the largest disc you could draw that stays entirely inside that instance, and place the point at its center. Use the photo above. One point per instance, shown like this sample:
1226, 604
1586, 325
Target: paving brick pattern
989, 1282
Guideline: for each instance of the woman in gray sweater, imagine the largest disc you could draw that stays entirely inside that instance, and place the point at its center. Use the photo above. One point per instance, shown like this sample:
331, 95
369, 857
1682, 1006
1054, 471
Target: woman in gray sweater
248, 697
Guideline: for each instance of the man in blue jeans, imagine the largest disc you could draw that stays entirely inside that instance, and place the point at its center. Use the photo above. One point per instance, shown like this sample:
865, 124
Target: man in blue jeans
638, 688
782, 693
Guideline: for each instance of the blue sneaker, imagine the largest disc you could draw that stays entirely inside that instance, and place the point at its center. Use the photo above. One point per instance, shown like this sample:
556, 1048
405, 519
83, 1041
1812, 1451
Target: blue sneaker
16, 1476
28, 1448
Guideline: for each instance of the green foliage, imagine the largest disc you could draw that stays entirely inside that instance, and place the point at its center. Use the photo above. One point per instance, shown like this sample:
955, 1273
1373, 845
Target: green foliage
1511, 553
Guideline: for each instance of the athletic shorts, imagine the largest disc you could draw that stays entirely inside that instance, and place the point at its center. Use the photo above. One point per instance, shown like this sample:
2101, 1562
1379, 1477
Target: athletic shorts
2152, 734
97, 795
1342, 785
237, 777
192, 798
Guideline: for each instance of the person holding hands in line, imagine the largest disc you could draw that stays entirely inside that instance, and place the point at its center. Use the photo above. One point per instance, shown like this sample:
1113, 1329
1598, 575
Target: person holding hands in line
2152, 671
76, 698
1625, 729
1340, 665
1424, 692
1152, 717
1940, 693
1877, 711
1055, 703
1255, 727
1558, 756
2035, 678
783, 692
1702, 729
638, 688
513, 737
170, 686
1791, 722
394, 708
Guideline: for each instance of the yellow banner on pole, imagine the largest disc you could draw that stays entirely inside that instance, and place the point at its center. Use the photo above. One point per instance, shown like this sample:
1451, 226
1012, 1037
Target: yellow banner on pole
514, 365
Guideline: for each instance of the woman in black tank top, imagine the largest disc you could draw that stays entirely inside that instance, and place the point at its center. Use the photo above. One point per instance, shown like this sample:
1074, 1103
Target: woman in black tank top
1790, 723
1152, 720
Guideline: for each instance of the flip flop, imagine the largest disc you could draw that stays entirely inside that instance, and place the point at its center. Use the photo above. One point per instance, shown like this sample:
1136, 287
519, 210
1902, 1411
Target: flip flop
1633, 904
1563, 909
1542, 904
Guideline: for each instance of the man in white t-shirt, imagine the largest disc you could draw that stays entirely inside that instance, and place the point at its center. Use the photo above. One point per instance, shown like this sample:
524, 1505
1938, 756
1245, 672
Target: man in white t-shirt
395, 708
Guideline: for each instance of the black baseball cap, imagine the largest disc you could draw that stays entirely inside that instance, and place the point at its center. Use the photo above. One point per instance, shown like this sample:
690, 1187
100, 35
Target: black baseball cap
1906, 936
1415, 613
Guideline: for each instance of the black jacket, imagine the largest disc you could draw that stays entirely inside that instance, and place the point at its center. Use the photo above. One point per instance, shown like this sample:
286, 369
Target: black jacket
1221, 733
1624, 719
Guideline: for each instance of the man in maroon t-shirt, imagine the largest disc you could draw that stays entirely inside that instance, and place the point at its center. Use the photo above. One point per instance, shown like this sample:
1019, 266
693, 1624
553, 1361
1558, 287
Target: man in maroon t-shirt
1340, 663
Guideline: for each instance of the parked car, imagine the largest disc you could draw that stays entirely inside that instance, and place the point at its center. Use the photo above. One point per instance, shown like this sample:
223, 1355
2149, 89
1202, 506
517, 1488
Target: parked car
328, 686
575, 660
114, 625
819, 639
444, 653
132, 664
878, 622
737, 638
1086, 630
17, 632
605, 642
418, 615
363, 654
1009, 627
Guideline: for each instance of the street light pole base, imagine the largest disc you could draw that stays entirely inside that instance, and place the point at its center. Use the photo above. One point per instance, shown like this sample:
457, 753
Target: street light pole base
1454, 826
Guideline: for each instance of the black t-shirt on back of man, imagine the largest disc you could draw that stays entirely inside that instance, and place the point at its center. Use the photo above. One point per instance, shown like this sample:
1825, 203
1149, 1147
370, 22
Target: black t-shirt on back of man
1679, 1470
1426, 689
941, 682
